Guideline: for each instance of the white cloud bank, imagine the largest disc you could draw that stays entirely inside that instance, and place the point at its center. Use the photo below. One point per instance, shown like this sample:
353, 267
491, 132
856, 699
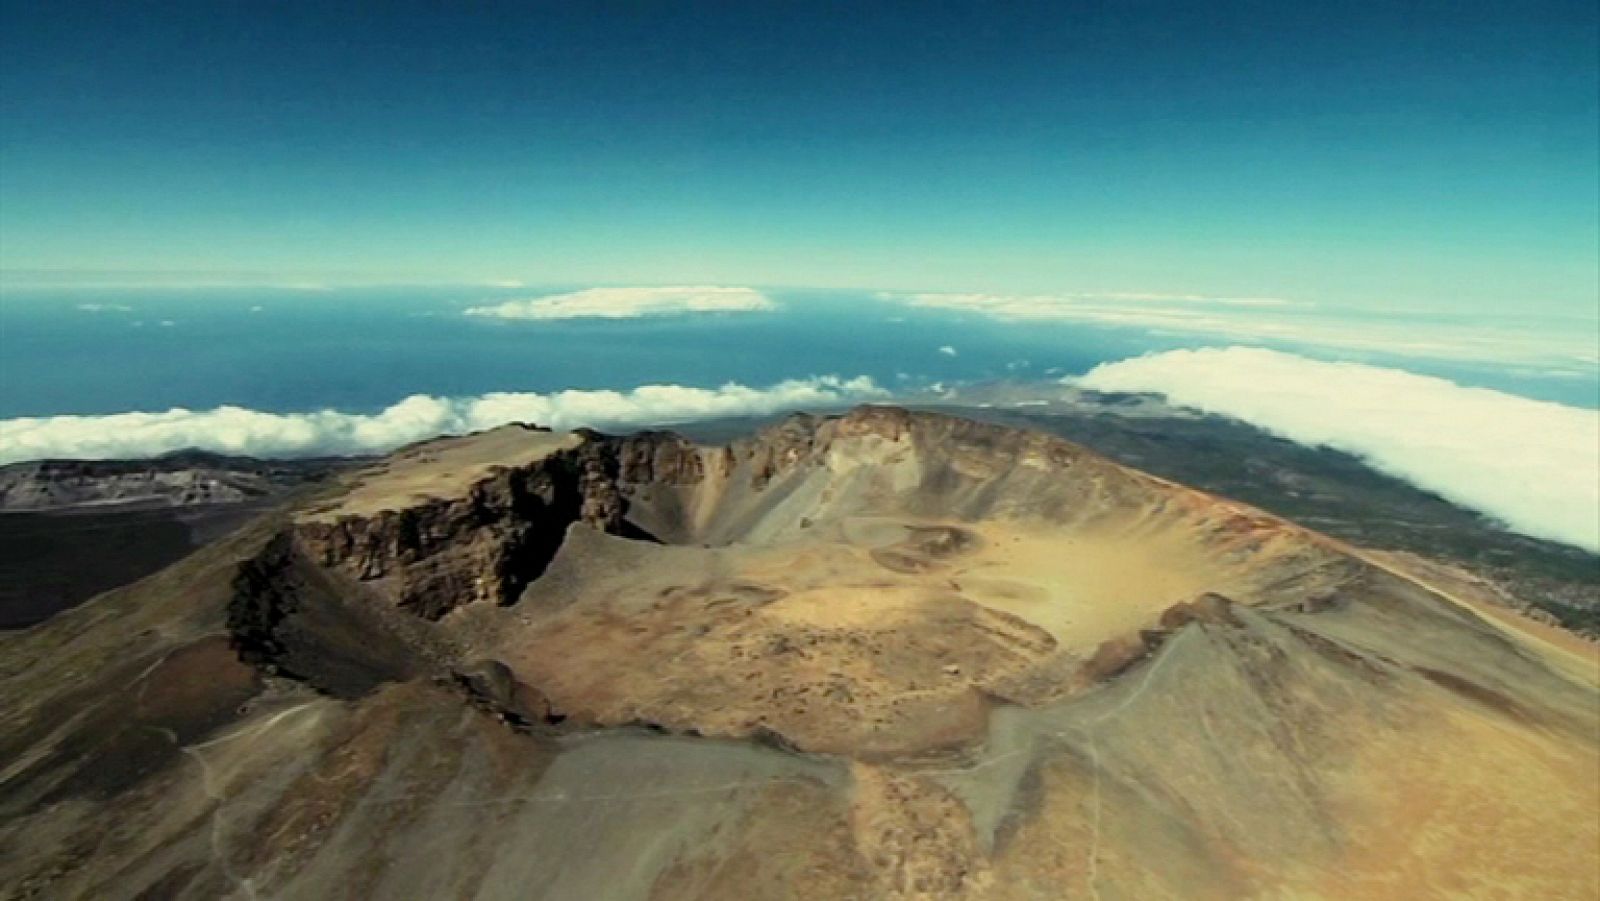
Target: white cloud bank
1533, 465
235, 430
1050, 306
1288, 322
630, 303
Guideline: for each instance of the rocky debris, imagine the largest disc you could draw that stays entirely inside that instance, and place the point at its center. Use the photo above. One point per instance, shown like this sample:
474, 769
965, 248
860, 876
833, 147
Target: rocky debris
1209, 608
916, 837
492, 686
926, 549
1115, 656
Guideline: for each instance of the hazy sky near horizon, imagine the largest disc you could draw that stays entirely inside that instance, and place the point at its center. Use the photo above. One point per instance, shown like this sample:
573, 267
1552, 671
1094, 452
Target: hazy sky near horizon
1373, 155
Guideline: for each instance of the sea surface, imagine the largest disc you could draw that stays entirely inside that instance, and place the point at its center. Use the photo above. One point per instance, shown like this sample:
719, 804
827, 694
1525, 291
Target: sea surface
83, 351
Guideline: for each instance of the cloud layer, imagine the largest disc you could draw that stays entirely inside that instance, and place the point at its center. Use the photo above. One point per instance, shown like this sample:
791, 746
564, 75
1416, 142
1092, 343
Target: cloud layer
629, 303
1533, 465
235, 430
1287, 322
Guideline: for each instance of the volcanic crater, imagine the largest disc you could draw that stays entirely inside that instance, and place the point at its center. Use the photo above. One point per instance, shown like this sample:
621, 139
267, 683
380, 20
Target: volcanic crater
884, 654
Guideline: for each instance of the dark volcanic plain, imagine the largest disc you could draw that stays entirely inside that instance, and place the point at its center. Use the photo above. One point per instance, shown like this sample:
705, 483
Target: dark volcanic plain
882, 655
71, 529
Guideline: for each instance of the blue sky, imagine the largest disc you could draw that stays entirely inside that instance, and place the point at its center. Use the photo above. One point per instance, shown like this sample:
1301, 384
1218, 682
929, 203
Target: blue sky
1419, 155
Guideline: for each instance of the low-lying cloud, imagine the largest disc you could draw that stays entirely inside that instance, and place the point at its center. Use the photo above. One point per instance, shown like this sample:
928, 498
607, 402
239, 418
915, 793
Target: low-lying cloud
1531, 464
1049, 306
236, 430
1290, 323
630, 303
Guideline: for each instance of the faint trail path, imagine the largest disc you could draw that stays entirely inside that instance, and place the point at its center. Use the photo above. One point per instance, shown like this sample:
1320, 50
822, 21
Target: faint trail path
1091, 742
213, 789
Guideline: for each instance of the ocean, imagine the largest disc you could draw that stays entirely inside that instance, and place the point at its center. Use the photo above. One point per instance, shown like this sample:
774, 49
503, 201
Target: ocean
360, 350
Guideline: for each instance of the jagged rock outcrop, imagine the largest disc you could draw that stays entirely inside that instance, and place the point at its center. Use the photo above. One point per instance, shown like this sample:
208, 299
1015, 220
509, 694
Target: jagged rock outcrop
437, 555
431, 555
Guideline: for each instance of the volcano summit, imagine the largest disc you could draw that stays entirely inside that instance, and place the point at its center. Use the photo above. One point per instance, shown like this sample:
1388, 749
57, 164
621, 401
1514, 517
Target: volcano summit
882, 655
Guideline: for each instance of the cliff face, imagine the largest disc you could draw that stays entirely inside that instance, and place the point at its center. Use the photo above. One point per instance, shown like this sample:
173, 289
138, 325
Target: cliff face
775, 449
434, 554
660, 458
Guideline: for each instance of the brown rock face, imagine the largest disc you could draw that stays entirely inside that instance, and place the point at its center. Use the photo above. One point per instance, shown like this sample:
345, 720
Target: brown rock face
441, 553
1115, 656
663, 458
1207, 608
487, 546
776, 449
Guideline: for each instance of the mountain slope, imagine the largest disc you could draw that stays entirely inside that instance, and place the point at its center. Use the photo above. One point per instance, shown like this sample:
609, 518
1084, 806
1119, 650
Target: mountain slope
881, 655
